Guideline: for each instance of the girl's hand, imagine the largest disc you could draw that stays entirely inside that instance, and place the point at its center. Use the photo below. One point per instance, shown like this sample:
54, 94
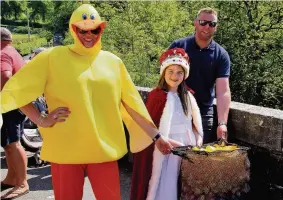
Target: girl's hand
58, 115
175, 143
163, 145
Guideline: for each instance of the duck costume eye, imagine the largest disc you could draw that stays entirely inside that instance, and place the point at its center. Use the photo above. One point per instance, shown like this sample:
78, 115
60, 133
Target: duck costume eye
92, 16
84, 16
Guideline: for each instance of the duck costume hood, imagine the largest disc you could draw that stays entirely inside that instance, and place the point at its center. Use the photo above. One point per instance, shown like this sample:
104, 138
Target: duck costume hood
93, 84
85, 18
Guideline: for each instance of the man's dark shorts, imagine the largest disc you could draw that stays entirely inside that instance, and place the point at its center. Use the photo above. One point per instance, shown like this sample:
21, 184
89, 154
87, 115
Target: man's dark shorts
12, 128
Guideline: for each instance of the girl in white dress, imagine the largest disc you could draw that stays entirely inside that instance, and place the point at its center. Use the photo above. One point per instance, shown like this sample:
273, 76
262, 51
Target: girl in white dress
180, 123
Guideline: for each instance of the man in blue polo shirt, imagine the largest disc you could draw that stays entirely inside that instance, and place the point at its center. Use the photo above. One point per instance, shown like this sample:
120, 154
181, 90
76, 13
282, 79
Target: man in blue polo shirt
209, 72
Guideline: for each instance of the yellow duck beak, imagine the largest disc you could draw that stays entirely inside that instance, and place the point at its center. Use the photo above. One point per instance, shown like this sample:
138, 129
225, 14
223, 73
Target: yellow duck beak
89, 24
86, 18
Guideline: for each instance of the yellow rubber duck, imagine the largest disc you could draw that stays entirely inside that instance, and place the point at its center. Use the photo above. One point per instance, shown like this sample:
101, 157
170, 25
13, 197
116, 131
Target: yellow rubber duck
210, 148
91, 83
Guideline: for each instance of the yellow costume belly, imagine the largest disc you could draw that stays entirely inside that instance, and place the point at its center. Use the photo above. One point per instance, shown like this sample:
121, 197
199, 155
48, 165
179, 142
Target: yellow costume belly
92, 88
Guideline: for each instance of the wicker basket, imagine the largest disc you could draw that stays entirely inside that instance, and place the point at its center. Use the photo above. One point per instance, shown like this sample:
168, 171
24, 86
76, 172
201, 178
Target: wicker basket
205, 175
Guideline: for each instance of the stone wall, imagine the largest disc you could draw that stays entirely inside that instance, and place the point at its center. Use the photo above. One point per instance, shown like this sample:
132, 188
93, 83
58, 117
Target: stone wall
256, 125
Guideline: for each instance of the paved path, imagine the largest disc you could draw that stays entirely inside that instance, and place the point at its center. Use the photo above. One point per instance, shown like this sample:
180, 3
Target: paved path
39, 180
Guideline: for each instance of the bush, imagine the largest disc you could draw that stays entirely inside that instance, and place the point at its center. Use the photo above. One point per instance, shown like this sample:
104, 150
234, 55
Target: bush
45, 34
24, 29
25, 47
23, 38
21, 23
68, 39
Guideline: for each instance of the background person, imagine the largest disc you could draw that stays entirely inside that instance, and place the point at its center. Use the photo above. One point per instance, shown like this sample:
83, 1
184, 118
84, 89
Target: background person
12, 129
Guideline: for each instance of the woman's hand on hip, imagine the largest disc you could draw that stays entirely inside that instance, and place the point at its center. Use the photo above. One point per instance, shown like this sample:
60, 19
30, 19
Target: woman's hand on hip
56, 116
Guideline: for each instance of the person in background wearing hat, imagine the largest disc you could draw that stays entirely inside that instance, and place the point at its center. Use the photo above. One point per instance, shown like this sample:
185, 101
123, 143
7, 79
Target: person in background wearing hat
34, 53
37, 51
11, 131
174, 110
209, 73
88, 92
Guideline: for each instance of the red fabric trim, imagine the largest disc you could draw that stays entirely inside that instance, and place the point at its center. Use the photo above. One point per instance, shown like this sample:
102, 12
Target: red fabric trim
190, 90
155, 104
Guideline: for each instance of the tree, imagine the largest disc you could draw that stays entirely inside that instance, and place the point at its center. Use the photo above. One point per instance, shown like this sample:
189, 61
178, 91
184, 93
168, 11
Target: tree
251, 32
12, 8
39, 9
61, 14
140, 33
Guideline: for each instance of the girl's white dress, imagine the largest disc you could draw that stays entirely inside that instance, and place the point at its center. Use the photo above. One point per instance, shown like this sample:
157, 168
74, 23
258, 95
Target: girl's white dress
180, 130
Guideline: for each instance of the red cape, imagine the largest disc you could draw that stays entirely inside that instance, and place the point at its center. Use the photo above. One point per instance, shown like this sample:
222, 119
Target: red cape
142, 163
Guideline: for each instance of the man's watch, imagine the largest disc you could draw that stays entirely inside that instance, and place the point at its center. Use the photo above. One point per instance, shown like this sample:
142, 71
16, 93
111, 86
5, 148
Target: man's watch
222, 123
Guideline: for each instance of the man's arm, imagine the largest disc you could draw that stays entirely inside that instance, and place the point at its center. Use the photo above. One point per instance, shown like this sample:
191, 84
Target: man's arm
5, 76
223, 97
6, 69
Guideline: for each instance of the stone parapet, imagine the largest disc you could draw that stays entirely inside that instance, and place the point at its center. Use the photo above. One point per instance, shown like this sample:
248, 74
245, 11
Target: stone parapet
256, 125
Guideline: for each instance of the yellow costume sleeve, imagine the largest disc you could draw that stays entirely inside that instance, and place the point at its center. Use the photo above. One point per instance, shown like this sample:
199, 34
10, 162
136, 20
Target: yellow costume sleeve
26, 85
139, 140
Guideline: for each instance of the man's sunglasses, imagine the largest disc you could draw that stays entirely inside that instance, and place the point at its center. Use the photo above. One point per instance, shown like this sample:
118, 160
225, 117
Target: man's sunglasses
204, 22
94, 31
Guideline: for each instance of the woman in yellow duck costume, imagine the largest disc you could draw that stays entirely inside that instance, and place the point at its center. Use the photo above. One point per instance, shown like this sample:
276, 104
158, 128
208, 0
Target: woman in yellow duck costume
90, 92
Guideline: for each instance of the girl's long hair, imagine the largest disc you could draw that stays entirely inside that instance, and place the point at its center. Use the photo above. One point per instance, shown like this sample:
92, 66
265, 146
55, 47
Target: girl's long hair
182, 91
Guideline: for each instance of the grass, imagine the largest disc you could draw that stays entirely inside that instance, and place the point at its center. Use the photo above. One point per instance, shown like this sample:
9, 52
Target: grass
21, 43
17, 36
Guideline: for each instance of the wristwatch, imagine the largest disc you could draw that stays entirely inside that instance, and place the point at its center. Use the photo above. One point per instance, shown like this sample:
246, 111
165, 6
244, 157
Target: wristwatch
156, 137
222, 123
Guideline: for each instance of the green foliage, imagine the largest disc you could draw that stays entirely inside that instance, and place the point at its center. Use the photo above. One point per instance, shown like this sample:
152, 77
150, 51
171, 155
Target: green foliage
22, 22
12, 9
45, 34
252, 34
68, 39
24, 29
39, 9
21, 43
61, 15
17, 37
139, 31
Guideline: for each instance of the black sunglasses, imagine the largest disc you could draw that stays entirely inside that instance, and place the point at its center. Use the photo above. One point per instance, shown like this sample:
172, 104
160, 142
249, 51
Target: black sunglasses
204, 22
94, 31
